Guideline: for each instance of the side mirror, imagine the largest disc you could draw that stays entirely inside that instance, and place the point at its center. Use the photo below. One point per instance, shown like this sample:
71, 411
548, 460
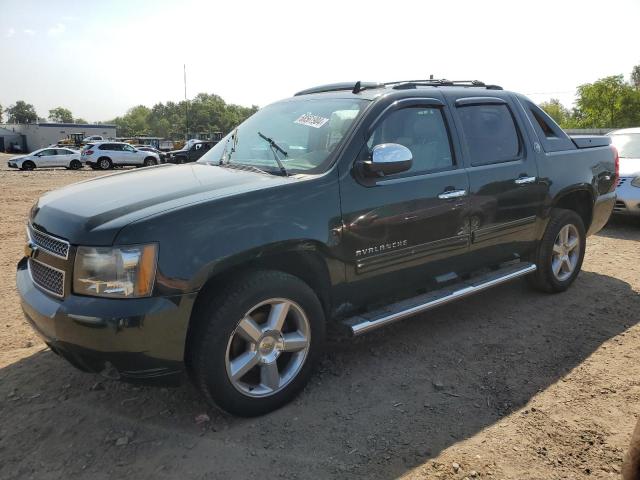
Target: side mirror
387, 159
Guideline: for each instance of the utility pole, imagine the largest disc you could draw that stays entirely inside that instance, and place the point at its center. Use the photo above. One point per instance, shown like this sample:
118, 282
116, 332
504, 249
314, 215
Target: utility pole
186, 105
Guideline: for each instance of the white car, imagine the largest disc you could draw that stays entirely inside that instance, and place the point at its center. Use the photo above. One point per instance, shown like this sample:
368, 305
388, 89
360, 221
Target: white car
106, 155
627, 141
93, 138
47, 158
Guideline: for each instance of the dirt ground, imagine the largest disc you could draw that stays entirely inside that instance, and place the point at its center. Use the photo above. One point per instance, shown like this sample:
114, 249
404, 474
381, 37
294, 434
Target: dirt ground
507, 384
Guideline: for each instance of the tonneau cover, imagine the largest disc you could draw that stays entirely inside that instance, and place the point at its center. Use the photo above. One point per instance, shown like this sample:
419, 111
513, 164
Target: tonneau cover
590, 141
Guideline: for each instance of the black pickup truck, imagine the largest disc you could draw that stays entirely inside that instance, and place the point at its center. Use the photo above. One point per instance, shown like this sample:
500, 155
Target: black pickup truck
190, 154
359, 204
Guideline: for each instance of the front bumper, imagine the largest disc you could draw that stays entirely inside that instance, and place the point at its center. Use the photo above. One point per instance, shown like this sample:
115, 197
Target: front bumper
12, 165
628, 198
137, 340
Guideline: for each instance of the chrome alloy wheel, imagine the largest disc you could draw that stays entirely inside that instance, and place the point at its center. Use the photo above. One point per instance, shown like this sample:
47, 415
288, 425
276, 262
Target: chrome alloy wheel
268, 347
566, 252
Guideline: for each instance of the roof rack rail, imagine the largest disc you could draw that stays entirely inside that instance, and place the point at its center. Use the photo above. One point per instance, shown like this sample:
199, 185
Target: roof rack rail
404, 84
355, 87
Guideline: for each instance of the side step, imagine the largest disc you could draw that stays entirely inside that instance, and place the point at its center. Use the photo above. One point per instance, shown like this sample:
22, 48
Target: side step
361, 324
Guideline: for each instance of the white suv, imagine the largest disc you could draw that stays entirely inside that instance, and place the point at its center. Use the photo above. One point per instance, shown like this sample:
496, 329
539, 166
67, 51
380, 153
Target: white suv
106, 155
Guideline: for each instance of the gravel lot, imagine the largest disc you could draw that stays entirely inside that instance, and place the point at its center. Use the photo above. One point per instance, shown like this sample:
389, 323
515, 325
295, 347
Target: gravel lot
507, 384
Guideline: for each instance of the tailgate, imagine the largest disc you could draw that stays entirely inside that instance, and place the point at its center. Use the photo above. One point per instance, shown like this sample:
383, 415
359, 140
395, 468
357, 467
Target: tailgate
590, 141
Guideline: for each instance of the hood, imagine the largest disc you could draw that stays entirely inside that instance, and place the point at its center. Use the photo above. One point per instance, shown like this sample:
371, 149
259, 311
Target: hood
18, 157
93, 212
629, 167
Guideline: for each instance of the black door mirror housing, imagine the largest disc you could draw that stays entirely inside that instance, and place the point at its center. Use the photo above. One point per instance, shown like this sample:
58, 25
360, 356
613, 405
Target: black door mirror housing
387, 159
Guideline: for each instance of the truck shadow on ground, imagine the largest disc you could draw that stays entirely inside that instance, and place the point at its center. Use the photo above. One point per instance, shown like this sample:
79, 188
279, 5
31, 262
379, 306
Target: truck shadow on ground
622, 228
379, 405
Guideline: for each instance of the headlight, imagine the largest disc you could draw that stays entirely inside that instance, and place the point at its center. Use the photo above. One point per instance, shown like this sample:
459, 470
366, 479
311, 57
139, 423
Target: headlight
636, 182
118, 272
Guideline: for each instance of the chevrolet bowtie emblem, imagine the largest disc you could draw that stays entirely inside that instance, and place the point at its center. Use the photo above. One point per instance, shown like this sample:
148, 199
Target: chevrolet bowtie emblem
30, 250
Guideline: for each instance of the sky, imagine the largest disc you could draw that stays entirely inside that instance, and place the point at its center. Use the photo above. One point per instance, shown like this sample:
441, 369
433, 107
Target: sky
100, 58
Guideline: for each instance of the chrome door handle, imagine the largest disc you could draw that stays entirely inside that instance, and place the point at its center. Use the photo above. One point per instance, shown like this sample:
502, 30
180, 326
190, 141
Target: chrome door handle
452, 194
525, 180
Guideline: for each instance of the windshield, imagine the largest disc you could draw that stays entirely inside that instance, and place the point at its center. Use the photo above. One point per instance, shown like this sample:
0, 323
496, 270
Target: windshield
303, 134
628, 145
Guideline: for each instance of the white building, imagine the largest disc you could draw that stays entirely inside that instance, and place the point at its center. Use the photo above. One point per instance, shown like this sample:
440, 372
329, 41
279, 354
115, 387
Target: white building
40, 135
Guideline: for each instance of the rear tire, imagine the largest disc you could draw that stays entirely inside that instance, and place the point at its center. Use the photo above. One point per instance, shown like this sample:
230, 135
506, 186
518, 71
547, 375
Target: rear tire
28, 165
104, 163
75, 165
559, 254
254, 345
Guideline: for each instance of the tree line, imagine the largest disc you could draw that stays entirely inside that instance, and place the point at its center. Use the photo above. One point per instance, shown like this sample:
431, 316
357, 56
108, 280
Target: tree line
610, 102
206, 113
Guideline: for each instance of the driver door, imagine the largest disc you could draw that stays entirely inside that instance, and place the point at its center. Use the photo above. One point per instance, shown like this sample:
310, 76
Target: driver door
410, 227
46, 158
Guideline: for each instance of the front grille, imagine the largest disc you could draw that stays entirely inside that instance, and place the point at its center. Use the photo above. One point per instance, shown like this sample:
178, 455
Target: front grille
55, 246
48, 278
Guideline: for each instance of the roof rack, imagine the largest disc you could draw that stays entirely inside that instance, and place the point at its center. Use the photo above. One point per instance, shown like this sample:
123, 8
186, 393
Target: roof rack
357, 87
404, 84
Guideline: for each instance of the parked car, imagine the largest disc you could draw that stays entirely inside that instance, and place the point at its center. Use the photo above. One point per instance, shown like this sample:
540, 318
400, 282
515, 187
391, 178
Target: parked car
190, 152
93, 138
106, 155
357, 204
147, 148
627, 141
47, 158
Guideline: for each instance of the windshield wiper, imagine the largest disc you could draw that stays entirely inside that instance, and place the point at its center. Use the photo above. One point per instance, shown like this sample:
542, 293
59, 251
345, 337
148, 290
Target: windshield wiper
274, 149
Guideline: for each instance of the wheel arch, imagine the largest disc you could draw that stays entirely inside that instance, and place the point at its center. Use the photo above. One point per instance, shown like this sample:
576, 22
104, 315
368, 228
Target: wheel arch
305, 260
580, 200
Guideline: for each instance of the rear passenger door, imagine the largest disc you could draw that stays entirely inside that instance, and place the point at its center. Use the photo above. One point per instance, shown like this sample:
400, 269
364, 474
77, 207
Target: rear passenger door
63, 157
506, 194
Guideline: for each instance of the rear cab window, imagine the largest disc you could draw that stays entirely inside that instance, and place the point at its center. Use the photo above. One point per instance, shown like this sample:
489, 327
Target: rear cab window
551, 136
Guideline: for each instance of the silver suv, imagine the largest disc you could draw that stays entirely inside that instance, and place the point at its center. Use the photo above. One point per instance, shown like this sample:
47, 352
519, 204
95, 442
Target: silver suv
106, 155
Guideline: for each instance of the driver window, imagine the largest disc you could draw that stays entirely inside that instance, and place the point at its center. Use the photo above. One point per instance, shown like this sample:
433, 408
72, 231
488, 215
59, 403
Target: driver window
423, 131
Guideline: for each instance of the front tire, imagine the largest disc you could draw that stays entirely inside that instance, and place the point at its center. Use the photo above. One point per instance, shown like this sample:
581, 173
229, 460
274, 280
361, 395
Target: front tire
150, 161
255, 344
28, 165
560, 253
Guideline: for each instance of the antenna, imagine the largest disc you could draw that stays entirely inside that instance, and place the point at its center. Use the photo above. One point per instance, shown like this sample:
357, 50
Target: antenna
186, 104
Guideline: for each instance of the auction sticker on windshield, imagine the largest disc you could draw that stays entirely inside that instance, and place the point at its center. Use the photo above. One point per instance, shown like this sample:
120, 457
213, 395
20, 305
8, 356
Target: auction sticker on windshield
310, 120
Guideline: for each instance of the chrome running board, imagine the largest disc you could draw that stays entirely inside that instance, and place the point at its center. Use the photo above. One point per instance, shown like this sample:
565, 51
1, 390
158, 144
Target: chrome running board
361, 324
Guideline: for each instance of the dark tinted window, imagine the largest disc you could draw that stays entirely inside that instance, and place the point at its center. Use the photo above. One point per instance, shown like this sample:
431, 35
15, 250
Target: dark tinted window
421, 130
106, 146
48, 152
547, 126
490, 133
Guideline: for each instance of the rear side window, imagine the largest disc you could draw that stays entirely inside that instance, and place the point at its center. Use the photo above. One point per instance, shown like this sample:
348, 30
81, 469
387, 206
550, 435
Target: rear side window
423, 131
490, 133
552, 137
